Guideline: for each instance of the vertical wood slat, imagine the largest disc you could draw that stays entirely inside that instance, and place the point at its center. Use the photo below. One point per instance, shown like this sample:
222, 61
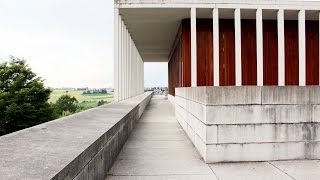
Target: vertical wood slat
204, 53
312, 52
248, 52
291, 52
227, 52
270, 53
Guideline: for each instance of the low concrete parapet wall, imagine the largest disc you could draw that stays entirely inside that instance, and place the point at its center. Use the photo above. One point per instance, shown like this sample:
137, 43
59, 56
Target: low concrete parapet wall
80, 146
249, 123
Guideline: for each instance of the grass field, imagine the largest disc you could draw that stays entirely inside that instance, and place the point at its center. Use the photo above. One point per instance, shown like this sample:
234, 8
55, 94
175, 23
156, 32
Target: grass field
86, 101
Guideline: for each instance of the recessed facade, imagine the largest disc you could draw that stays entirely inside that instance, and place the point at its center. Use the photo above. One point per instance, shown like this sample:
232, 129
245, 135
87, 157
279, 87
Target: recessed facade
237, 66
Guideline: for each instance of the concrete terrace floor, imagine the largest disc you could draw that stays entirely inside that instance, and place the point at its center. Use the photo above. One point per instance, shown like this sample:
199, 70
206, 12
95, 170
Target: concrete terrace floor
158, 148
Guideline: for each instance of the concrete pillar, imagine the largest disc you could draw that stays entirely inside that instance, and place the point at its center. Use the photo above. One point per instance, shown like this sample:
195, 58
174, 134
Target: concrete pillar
259, 29
281, 48
237, 26
215, 17
116, 55
302, 48
127, 64
120, 59
123, 63
130, 68
193, 47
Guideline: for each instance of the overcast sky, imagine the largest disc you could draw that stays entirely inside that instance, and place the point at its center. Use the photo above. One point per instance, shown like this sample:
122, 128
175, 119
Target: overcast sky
67, 42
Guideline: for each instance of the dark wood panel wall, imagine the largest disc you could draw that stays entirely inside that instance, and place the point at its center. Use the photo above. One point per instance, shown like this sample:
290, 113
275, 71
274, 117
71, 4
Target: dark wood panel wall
227, 70
291, 43
179, 66
312, 52
270, 52
180, 57
204, 53
248, 52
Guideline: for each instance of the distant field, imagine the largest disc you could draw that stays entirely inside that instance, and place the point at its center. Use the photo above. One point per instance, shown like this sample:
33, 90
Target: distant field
85, 100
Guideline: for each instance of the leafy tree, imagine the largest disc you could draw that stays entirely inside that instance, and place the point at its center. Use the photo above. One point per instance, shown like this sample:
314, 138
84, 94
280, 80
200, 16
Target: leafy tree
101, 102
23, 97
66, 105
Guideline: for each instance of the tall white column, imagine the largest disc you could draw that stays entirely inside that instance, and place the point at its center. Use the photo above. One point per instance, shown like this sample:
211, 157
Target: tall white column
193, 47
130, 68
116, 55
123, 63
127, 64
237, 26
215, 17
281, 48
302, 48
259, 29
120, 59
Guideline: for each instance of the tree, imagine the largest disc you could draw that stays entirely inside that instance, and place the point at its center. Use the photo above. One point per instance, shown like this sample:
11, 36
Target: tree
23, 97
66, 105
101, 102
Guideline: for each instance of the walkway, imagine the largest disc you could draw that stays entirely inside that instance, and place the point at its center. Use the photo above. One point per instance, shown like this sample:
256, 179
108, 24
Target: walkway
159, 149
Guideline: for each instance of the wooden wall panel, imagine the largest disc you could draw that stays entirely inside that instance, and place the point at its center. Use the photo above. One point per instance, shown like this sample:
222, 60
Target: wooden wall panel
248, 52
204, 53
270, 52
186, 54
180, 60
227, 52
291, 52
312, 52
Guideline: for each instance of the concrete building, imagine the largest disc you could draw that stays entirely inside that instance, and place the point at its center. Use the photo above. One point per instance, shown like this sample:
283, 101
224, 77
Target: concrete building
243, 75
230, 66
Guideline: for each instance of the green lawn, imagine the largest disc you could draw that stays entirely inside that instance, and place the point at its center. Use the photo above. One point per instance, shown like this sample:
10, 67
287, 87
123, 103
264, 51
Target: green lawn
86, 101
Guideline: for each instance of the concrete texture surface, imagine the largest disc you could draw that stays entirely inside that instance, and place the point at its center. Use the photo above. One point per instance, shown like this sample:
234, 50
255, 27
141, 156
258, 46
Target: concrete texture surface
80, 146
263, 124
159, 149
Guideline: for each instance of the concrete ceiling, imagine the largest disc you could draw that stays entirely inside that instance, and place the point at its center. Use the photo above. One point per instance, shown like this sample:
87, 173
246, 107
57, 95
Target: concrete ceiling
154, 29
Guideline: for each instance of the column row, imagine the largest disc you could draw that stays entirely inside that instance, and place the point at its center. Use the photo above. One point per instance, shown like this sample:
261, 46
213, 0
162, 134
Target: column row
128, 64
259, 47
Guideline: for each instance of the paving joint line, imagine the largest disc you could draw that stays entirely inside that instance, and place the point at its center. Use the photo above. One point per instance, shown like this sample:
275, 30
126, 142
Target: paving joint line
281, 170
213, 172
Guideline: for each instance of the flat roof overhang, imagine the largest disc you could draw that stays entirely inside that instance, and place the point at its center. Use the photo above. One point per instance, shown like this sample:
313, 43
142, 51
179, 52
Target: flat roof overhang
154, 29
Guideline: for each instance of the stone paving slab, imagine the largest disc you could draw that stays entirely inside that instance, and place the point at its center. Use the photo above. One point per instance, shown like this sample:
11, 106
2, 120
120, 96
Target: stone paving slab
160, 167
248, 171
170, 177
300, 170
156, 153
134, 143
158, 149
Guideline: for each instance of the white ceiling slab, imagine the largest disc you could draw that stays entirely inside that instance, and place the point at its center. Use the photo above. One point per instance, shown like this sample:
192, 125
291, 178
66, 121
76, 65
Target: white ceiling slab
154, 29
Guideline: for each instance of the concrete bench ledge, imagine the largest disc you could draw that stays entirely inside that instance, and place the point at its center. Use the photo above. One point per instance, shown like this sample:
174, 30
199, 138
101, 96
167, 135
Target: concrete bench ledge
251, 95
80, 146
